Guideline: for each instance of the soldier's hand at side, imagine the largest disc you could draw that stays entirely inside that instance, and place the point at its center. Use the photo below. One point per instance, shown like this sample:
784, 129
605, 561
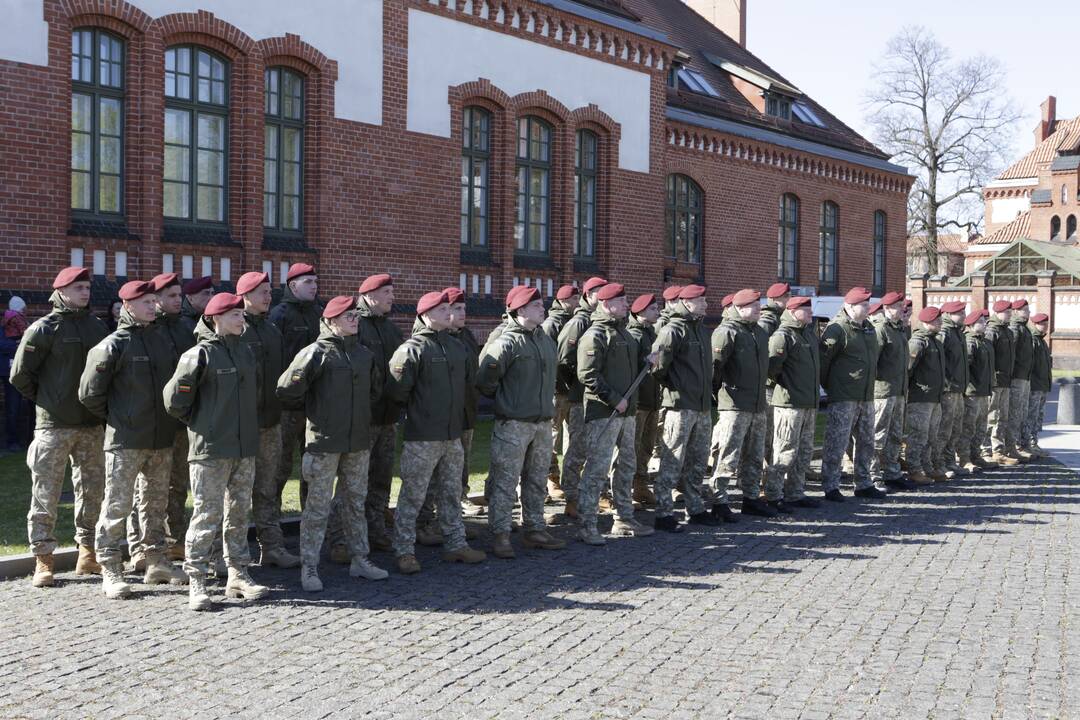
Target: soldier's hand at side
621, 407
653, 357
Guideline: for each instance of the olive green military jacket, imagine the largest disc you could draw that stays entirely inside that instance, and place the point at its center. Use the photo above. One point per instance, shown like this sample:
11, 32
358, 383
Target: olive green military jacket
189, 318
740, 352
556, 320
1023, 350
648, 392
956, 360
215, 392
891, 379
927, 367
518, 371
336, 380
567, 381
381, 336
428, 375
1041, 363
178, 334
265, 341
849, 357
49, 364
299, 322
684, 362
1003, 341
794, 364
980, 354
609, 359
122, 383
770, 318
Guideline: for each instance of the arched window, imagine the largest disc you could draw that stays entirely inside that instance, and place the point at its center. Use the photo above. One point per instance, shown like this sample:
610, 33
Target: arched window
475, 154
283, 150
196, 133
684, 209
787, 242
1055, 228
828, 259
97, 121
1070, 228
879, 252
585, 194
532, 228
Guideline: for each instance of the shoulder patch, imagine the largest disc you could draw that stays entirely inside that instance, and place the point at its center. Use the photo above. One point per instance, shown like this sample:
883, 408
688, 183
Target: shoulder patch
29, 348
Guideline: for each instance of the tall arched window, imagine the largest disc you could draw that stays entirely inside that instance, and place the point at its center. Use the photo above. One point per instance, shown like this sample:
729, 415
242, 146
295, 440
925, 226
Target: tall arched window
684, 211
475, 152
97, 121
787, 243
1070, 228
532, 228
196, 135
283, 150
1055, 228
879, 252
828, 260
585, 194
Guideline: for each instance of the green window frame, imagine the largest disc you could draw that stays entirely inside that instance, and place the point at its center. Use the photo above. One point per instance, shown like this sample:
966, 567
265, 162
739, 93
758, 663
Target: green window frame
196, 169
585, 162
828, 242
475, 159
97, 122
787, 241
283, 150
532, 227
879, 252
685, 207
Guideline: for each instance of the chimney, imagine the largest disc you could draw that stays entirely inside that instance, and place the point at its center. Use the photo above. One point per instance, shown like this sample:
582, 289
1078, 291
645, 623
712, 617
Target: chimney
728, 15
1047, 119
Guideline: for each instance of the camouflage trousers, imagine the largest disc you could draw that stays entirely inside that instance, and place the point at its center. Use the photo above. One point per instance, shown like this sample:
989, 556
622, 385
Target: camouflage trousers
221, 489
610, 453
923, 423
645, 433
770, 425
574, 451
380, 477
888, 436
562, 411
1019, 393
422, 462
293, 425
266, 493
320, 471
741, 451
844, 419
176, 510
1029, 431
126, 470
792, 451
427, 512
684, 450
944, 442
48, 455
519, 450
997, 420
975, 430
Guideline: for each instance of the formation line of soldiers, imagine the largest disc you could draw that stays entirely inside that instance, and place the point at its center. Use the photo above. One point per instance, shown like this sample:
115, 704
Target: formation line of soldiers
216, 392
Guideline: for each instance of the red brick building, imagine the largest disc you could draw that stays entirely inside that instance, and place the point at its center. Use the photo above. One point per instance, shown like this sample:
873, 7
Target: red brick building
479, 143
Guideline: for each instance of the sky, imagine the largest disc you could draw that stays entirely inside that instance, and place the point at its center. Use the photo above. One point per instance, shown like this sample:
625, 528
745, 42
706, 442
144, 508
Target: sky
826, 48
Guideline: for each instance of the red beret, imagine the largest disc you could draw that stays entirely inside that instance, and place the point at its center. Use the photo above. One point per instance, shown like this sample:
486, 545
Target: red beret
135, 289
566, 292
929, 314
642, 303
798, 301
745, 297
974, 315
1039, 318
374, 282
522, 297
70, 275
1019, 304
691, 291
250, 281
857, 295
430, 301
610, 291
593, 283
777, 289
892, 298
513, 293
197, 285
223, 303
672, 293
874, 309
1002, 306
954, 306
726, 302
337, 306
454, 295
165, 280
299, 270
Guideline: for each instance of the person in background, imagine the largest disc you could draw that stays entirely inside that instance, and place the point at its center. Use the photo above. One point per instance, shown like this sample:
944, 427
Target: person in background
14, 325
112, 318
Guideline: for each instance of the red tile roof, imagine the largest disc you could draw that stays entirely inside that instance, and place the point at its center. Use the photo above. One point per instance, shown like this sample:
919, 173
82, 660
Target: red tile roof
947, 242
1066, 137
1014, 230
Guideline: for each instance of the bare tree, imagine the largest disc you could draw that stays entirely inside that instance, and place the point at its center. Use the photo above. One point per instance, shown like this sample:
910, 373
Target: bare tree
949, 122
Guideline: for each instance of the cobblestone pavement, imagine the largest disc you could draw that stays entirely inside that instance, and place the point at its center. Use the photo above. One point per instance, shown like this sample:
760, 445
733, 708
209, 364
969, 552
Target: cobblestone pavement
959, 601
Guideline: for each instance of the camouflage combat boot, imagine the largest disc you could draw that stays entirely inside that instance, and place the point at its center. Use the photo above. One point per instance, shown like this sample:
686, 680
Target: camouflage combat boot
309, 579
339, 554
1004, 459
606, 504
465, 554
630, 528
362, 567
240, 585
112, 582
160, 572
198, 597
43, 571
282, 558
919, 478
408, 565
571, 510
175, 552
429, 535
591, 536
87, 563
554, 488
502, 547
643, 493
542, 540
